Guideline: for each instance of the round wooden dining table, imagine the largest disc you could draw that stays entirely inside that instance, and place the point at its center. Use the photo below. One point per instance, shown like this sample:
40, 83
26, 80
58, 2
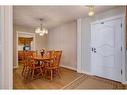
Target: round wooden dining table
42, 59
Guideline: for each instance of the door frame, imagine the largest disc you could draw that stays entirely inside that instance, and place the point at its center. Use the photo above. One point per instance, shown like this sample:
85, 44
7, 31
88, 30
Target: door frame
79, 46
6, 26
17, 35
123, 80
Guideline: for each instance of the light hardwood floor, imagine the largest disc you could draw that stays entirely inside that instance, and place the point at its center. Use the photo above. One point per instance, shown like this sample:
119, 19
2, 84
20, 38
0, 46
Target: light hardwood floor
70, 80
43, 83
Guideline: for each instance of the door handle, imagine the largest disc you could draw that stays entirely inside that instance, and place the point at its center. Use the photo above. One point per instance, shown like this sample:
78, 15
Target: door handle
92, 49
95, 50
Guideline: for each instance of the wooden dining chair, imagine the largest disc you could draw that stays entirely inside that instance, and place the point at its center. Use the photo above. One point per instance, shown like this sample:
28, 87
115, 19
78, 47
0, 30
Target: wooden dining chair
35, 69
24, 62
47, 54
52, 66
30, 67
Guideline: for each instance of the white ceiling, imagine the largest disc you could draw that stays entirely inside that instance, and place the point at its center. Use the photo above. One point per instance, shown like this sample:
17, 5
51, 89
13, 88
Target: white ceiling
52, 15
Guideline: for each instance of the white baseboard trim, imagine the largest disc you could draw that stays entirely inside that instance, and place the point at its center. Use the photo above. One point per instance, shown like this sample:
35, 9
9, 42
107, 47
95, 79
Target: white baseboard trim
124, 82
15, 67
79, 71
68, 67
88, 73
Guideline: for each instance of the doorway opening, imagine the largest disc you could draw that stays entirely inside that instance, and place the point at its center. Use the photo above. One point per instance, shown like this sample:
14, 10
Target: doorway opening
24, 41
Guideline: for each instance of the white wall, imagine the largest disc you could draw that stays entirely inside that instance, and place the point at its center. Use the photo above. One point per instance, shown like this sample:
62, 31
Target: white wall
40, 42
64, 38
86, 35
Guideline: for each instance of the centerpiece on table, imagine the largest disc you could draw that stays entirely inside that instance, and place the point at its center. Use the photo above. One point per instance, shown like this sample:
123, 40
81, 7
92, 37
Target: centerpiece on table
42, 52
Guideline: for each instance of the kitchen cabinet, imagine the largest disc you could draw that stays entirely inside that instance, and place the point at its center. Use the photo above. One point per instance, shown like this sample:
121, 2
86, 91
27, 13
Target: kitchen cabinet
23, 41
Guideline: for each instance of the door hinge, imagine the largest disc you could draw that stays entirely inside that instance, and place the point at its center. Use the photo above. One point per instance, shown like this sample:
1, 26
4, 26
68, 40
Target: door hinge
121, 71
102, 22
121, 25
121, 48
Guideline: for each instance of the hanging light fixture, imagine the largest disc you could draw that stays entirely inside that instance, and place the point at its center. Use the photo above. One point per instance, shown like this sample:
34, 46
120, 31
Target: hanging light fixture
91, 10
41, 30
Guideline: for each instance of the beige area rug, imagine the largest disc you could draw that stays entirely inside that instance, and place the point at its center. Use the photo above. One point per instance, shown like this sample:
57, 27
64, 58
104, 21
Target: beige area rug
93, 82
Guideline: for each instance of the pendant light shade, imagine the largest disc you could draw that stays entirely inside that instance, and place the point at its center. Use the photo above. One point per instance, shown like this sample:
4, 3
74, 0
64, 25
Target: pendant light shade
41, 34
41, 30
37, 30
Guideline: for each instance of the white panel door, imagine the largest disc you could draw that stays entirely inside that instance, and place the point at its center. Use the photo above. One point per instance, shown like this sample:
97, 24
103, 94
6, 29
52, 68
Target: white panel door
106, 49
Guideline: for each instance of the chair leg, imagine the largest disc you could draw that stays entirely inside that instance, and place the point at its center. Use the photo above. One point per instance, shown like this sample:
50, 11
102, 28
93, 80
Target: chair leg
51, 74
28, 75
32, 74
25, 73
45, 73
23, 70
41, 72
59, 73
